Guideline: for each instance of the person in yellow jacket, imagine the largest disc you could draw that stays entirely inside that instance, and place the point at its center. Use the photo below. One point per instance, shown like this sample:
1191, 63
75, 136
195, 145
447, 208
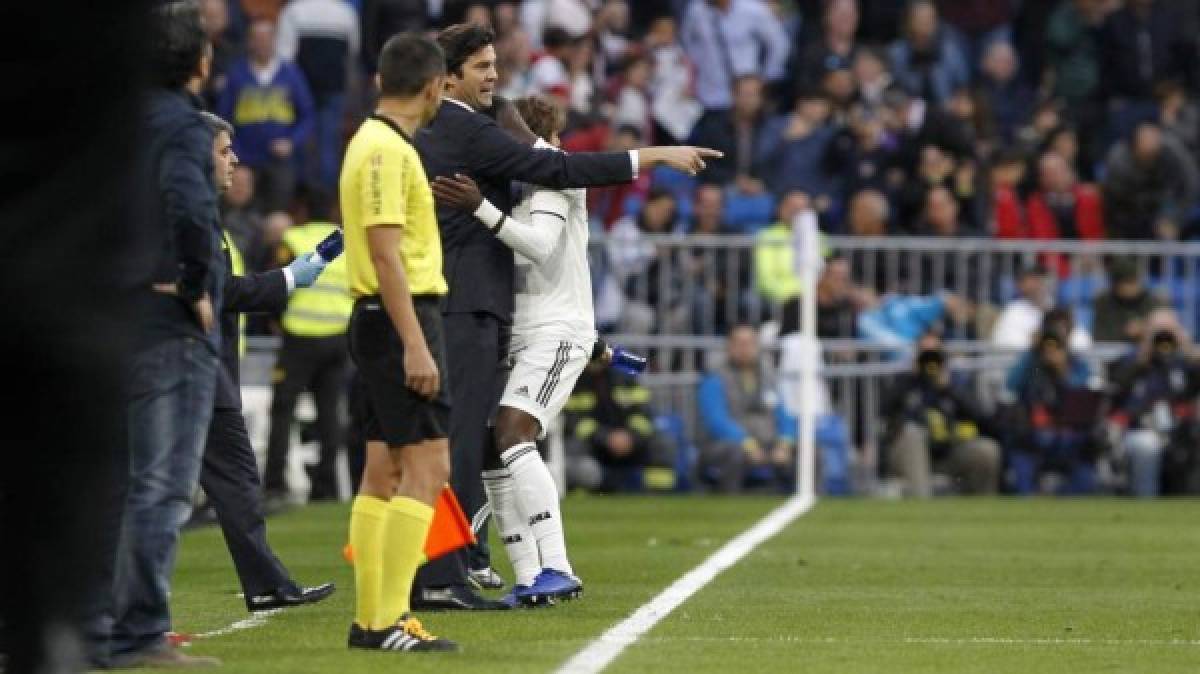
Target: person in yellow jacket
314, 356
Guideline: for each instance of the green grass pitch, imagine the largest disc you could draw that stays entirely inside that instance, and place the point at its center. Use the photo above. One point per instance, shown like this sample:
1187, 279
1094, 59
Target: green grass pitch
853, 586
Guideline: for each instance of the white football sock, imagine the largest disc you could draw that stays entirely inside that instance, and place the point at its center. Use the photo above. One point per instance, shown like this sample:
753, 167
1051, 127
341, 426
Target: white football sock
537, 500
514, 528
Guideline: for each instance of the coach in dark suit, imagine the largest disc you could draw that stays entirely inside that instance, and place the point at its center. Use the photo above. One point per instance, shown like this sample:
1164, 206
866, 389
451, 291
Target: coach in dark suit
229, 473
480, 269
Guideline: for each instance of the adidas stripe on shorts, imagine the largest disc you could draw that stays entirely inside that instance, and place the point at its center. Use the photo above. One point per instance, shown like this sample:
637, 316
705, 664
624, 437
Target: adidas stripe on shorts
542, 377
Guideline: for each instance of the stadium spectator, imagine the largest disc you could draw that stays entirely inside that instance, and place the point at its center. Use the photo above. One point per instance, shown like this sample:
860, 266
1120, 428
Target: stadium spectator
242, 218
611, 29
720, 278
1179, 116
381, 19
216, 26
322, 37
916, 124
1058, 413
900, 320
748, 433
610, 435
727, 39
978, 25
927, 61
271, 108
632, 104
792, 149
674, 104
584, 101
775, 274
936, 426
736, 132
1154, 390
868, 214
1007, 98
860, 156
1121, 311
608, 204
1062, 207
940, 216
1150, 187
1022, 318
549, 74
872, 77
833, 50
628, 250
1007, 173
1140, 48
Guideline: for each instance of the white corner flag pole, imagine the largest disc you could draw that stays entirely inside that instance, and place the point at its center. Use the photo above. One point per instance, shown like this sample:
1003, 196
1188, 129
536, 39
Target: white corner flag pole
808, 260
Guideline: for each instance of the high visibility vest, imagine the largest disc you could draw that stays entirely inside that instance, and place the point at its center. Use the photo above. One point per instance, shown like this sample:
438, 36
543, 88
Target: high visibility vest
238, 265
324, 309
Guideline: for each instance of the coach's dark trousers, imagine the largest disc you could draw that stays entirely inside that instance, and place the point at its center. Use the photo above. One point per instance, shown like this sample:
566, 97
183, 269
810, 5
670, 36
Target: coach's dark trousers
229, 477
475, 345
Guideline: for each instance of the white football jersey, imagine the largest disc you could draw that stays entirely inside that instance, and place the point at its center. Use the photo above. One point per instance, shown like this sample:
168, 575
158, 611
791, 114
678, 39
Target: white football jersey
553, 282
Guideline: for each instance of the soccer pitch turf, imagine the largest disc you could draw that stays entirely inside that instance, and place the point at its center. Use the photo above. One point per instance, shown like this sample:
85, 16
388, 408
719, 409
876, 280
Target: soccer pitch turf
853, 586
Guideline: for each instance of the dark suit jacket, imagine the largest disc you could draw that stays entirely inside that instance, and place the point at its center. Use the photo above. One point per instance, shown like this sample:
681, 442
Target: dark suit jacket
257, 293
477, 266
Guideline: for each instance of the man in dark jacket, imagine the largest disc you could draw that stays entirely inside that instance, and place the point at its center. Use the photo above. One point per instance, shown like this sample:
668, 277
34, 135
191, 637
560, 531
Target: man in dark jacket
1120, 312
230, 472
175, 370
935, 425
480, 269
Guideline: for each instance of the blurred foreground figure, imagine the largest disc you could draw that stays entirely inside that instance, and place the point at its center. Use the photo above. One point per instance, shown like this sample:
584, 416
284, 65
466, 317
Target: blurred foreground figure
71, 242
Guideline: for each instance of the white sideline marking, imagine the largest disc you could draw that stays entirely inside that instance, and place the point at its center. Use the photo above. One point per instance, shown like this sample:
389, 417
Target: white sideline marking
601, 652
955, 641
257, 619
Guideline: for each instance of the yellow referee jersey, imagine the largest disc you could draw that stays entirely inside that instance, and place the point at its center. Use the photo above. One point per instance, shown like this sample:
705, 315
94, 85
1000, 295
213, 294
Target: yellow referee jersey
384, 183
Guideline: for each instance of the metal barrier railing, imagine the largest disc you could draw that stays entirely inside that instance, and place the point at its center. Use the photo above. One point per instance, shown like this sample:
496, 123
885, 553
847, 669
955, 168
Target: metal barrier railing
676, 285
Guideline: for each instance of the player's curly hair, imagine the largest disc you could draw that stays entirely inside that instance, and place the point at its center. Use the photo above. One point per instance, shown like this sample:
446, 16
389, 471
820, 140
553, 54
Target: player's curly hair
542, 114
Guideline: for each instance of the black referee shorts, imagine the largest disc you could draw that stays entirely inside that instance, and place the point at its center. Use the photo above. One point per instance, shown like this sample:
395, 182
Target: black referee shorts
391, 412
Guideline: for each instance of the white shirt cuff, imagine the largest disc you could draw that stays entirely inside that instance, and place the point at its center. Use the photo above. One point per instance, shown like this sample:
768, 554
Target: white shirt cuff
289, 279
633, 159
488, 214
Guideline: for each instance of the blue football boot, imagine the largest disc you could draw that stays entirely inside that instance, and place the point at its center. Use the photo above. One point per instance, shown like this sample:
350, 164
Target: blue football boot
549, 586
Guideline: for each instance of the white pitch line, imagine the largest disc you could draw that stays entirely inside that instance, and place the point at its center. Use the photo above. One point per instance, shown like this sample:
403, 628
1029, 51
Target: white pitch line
939, 641
601, 652
257, 619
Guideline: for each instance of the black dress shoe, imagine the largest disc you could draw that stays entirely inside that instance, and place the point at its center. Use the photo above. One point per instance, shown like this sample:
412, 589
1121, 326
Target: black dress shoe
287, 599
454, 598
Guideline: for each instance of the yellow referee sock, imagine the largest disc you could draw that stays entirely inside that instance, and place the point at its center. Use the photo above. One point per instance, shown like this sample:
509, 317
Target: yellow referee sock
405, 530
367, 522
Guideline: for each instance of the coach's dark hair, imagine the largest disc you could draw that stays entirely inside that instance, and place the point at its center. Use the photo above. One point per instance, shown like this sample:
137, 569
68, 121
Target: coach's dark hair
460, 41
178, 43
542, 114
406, 64
216, 124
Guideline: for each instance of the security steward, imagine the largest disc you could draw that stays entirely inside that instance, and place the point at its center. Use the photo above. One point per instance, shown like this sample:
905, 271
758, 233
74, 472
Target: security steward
314, 356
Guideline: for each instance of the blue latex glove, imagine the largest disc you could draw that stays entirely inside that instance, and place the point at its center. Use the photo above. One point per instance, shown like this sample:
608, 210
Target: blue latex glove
305, 270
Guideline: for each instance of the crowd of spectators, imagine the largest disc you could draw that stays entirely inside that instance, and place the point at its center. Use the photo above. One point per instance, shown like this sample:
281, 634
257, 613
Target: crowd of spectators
954, 119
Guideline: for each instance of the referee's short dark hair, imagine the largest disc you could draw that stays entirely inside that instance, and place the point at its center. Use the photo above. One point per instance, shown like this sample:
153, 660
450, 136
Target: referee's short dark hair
462, 40
216, 124
406, 64
178, 43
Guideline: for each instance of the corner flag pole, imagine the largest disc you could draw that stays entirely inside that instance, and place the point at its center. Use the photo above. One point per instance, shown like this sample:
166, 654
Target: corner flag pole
809, 261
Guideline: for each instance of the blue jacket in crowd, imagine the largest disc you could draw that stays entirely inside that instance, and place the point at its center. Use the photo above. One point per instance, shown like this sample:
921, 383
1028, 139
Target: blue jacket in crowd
719, 422
264, 112
900, 320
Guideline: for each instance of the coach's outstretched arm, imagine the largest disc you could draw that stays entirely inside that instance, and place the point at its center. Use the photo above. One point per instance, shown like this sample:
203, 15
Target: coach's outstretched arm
535, 240
497, 155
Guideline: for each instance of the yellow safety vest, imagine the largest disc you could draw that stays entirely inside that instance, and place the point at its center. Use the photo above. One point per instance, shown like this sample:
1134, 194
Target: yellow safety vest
324, 309
238, 265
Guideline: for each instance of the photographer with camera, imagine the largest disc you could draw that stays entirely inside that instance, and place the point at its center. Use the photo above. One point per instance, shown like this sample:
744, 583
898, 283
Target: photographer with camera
1153, 420
934, 425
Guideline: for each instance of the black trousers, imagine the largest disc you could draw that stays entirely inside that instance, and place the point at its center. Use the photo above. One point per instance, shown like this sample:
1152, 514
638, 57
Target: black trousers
475, 347
229, 476
319, 365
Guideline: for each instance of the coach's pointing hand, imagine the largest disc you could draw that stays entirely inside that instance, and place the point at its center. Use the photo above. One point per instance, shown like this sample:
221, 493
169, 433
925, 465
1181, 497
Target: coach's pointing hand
684, 158
459, 192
